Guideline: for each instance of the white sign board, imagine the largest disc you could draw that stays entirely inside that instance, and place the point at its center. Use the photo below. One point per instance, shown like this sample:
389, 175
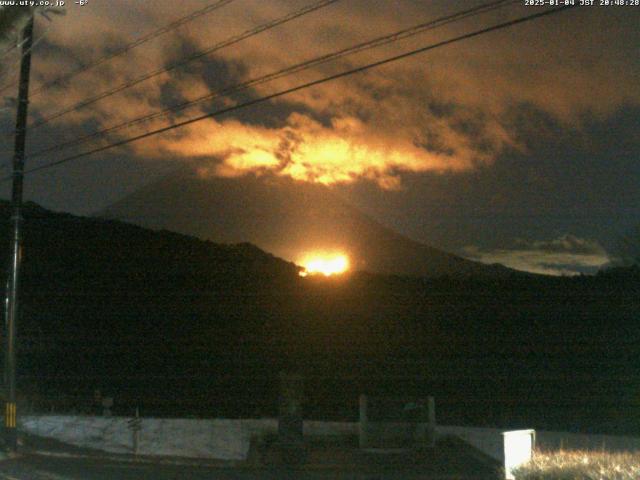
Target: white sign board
518, 449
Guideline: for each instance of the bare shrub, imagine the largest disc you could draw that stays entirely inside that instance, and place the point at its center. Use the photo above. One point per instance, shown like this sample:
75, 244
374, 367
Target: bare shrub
580, 465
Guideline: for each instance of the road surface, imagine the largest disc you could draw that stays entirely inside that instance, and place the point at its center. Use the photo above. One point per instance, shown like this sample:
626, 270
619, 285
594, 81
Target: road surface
47, 467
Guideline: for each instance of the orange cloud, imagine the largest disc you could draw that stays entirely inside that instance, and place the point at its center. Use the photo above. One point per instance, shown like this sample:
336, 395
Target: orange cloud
443, 111
306, 150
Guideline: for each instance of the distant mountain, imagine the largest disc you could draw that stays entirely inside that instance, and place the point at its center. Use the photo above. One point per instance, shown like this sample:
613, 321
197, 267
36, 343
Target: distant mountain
179, 326
287, 219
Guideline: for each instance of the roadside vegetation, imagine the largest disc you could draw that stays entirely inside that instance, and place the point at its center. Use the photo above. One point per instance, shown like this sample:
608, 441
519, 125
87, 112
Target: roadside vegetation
580, 465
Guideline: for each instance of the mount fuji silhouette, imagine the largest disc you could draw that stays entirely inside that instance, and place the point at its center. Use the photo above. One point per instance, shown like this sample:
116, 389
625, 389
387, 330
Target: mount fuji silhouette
288, 219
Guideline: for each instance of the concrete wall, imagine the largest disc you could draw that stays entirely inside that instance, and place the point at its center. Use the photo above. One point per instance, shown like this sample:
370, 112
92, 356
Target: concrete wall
230, 439
209, 438
319, 428
215, 438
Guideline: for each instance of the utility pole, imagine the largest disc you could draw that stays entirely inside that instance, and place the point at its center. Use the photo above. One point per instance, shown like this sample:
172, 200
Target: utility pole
12, 311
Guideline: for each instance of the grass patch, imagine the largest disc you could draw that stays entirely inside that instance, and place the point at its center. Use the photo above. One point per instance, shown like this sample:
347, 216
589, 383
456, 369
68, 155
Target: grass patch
580, 465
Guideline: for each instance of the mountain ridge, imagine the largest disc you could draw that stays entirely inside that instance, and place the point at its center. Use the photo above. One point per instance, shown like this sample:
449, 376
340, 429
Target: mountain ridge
288, 219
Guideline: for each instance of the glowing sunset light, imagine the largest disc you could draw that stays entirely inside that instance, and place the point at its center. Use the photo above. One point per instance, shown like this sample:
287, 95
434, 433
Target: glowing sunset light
324, 264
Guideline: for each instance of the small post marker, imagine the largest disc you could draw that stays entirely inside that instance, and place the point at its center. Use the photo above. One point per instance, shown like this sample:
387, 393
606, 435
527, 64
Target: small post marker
363, 424
135, 425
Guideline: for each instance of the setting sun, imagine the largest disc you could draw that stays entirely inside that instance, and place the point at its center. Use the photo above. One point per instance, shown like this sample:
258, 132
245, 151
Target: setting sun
324, 264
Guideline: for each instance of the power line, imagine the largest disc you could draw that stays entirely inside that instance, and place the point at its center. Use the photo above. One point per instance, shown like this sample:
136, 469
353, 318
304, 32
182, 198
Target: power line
22, 55
150, 36
32, 43
376, 42
302, 86
9, 50
17, 43
233, 40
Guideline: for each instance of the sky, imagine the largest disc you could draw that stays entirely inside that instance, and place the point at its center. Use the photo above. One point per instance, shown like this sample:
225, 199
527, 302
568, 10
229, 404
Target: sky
519, 146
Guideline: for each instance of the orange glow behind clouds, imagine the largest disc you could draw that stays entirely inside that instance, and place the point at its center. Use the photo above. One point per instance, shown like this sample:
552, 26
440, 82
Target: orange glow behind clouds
324, 264
307, 151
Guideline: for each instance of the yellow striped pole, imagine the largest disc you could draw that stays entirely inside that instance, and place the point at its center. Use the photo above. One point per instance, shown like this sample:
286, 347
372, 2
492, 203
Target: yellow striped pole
12, 304
10, 415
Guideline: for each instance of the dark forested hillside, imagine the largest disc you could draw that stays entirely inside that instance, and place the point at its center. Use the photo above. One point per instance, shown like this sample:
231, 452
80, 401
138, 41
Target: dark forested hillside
180, 326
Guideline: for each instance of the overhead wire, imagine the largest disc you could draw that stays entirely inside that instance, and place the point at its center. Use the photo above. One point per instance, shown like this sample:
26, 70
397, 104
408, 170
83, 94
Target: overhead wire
35, 43
196, 56
130, 46
17, 43
65, 78
9, 50
373, 43
290, 90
